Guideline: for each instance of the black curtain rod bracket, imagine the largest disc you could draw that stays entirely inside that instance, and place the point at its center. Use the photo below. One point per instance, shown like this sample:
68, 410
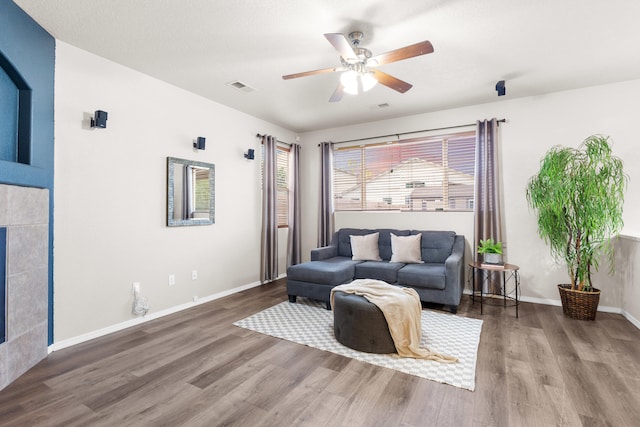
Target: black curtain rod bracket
277, 140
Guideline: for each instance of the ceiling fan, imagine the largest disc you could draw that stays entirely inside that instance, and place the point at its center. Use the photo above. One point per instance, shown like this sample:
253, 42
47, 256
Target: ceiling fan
359, 66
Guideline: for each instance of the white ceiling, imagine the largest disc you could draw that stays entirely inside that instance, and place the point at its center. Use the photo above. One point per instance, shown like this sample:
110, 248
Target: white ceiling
537, 46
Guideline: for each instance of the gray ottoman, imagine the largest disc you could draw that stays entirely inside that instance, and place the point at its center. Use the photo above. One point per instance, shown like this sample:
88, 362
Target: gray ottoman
360, 325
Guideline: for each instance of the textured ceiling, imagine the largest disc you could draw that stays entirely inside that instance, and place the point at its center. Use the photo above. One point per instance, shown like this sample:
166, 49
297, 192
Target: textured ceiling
537, 46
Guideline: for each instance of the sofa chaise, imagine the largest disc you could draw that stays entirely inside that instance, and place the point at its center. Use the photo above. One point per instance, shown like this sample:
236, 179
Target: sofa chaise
436, 271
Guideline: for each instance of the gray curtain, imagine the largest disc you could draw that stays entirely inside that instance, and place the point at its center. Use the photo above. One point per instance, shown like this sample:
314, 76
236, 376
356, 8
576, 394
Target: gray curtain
488, 218
325, 215
293, 243
269, 249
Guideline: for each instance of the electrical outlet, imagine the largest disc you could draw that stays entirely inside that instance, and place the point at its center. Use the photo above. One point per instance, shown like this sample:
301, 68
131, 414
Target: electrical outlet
195, 298
135, 288
194, 274
172, 279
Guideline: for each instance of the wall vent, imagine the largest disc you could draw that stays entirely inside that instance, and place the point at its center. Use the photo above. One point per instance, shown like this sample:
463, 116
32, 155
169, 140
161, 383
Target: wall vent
241, 86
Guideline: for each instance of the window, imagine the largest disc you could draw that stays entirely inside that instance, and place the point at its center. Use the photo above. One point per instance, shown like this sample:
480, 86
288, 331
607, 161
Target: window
202, 189
416, 184
421, 174
282, 184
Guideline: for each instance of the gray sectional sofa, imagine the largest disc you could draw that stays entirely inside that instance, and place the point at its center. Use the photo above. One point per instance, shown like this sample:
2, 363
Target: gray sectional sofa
438, 279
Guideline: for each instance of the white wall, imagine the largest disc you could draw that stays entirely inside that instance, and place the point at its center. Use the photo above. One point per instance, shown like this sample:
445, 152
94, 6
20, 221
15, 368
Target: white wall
534, 124
626, 275
110, 194
110, 189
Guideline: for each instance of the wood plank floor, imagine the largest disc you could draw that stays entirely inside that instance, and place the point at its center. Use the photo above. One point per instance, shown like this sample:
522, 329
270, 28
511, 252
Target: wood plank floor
194, 368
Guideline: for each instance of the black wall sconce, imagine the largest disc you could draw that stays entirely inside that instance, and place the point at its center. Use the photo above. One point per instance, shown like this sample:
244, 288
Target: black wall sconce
99, 119
199, 143
500, 88
250, 154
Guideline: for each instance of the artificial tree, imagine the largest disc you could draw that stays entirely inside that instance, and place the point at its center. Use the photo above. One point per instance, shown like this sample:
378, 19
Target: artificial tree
578, 195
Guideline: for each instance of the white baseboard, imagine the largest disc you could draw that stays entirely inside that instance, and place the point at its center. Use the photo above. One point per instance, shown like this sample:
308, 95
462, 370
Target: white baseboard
558, 303
133, 322
603, 308
635, 322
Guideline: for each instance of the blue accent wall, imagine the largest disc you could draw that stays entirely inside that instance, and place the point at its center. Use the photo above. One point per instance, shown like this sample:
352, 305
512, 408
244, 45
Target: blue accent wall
3, 284
28, 51
8, 117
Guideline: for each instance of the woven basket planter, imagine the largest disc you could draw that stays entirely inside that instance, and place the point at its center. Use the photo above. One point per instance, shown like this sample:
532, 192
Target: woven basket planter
579, 305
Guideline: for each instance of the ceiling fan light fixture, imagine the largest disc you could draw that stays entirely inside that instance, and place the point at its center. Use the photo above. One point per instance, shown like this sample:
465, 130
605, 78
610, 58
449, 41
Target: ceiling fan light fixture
354, 82
349, 80
368, 81
356, 61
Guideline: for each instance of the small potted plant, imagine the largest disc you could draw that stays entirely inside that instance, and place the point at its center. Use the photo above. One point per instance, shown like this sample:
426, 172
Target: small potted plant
491, 251
578, 196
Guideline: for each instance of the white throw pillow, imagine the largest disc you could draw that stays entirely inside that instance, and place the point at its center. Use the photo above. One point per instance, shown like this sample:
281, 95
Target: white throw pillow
406, 249
365, 248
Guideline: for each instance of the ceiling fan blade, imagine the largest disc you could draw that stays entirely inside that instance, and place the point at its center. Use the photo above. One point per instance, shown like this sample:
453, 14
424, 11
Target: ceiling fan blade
311, 73
392, 82
337, 95
342, 45
406, 52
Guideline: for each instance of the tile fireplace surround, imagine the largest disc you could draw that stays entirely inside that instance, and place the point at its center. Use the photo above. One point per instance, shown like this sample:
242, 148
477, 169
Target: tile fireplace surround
25, 213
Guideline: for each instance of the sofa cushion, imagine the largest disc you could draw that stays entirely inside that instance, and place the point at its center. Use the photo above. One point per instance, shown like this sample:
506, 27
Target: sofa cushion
431, 276
406, 249
365, 248
378, 270
436, 245
333, 271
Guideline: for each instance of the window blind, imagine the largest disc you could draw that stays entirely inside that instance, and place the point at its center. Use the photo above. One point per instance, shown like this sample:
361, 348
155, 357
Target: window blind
282, 183
282, 186
420, 174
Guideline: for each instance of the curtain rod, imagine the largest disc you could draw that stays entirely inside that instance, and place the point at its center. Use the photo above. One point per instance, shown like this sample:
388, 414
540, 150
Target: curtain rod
409, 133
277, 140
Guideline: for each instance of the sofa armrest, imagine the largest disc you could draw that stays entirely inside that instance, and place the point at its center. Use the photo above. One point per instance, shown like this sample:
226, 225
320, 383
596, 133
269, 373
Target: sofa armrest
325, 252
454, 267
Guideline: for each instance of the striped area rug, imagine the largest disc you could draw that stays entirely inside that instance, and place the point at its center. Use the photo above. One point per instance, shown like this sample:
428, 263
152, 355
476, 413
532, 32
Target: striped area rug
308, 322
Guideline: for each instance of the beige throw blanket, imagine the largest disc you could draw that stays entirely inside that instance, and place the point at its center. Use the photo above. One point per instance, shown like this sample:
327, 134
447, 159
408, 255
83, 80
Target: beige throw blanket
402, 310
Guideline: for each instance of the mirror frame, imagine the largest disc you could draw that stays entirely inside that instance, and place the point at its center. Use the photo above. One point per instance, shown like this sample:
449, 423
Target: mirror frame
171, 222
